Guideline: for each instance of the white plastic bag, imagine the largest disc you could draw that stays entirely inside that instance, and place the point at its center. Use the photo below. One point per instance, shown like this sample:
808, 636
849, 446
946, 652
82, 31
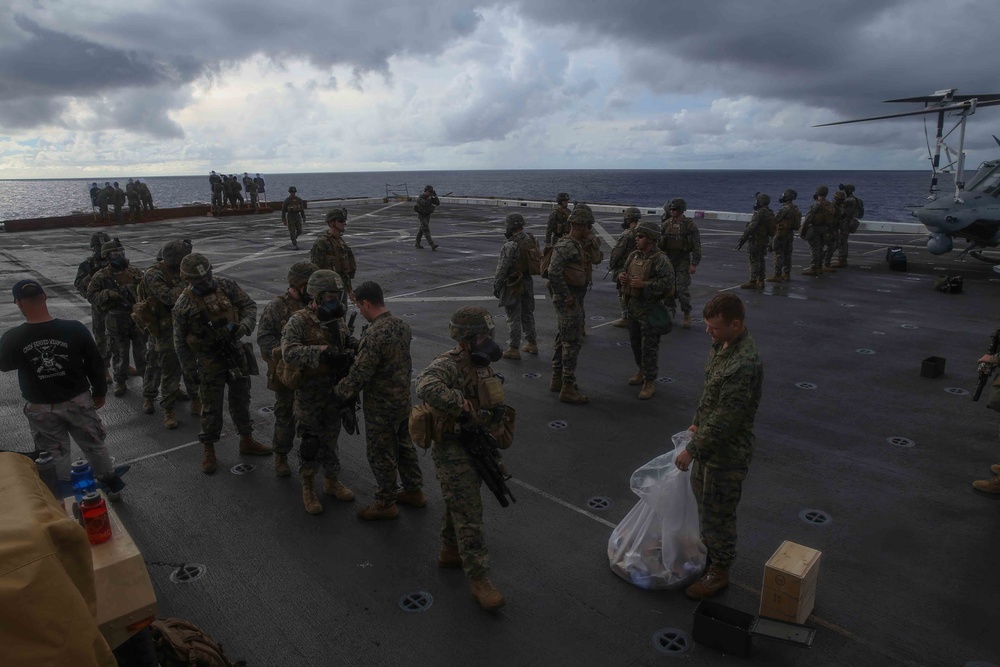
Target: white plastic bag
658, 544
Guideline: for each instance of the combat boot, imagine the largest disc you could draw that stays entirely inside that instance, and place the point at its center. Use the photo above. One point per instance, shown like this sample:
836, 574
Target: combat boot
295, 246
621, 323
555, 384
250, 447
434, 246
686, 324
208, 463
750, 285
987, 485
570, 393
995, 468
511, 353
417, 245
309, 499
530, 348
713, 581
196, 407
147, 405
281, 468
774, 279
334, 487
170, 419
811, 271
647, 390
787, 277
839, 264
828, 268
378, 512
449, 557
486, 594
412, 498
120, 388
636, 379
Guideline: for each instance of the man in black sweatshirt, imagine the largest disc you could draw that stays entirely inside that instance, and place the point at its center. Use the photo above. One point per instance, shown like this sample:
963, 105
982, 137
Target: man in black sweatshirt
61, 375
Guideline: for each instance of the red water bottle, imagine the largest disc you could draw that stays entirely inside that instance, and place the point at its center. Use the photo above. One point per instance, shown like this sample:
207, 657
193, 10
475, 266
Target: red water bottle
95, 518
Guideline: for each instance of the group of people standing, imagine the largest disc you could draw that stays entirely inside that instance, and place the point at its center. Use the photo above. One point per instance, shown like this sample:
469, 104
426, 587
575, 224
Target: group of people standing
136, 194
227, 191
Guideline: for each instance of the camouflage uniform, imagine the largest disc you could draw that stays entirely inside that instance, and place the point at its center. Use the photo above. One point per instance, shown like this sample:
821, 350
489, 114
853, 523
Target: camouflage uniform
215, 182
849, 213
316, 406
145, 195
557, 225
192, 340
723, 444
293, 214
425, 205
787, 220
681, 241
165, 286
838, 231
333, 253
382, 369
84, 274
655, 270
106, 197
757, 234
274, 318
517, 299
134, 203
251, 189
816, 225
567, 252
616, 263
118, 199
114, 294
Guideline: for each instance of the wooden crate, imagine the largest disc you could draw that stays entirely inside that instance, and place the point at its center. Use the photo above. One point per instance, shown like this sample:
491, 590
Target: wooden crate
789, 589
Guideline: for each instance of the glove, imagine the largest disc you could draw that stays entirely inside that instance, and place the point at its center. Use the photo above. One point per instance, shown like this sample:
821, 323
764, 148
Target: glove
233, 330
329, 356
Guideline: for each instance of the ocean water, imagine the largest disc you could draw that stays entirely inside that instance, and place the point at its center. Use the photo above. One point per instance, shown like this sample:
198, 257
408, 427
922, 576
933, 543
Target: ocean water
888, 195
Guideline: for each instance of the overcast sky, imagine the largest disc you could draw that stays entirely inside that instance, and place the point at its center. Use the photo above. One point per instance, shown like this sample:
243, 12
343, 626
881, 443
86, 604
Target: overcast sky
156, 88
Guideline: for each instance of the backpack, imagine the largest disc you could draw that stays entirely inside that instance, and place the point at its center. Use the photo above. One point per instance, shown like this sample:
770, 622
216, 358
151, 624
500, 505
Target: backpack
543, 266
860, 209
183, 644
532, 255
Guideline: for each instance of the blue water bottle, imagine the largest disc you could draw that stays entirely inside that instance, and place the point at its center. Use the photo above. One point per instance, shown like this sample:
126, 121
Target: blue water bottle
82, 478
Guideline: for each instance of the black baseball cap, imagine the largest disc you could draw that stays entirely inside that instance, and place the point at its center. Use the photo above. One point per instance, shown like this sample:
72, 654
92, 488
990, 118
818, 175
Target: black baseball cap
27, 288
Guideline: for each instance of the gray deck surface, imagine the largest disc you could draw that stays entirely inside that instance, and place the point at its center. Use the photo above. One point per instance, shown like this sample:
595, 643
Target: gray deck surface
908, 573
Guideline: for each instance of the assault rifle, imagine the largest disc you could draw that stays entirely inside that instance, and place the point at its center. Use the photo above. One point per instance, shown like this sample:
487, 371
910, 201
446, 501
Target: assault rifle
985, 369
482, 447
222, 344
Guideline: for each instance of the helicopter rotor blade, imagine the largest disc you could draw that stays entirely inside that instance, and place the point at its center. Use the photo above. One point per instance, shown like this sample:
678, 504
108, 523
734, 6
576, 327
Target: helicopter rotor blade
953, 99
931, 109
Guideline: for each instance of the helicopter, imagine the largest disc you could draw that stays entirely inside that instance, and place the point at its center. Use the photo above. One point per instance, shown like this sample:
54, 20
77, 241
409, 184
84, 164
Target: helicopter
973, 212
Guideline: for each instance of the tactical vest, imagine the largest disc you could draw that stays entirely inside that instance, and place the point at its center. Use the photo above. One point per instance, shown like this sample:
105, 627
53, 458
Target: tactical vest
317, 334
823, 215
217, 307
790, 219
638, 266
577, 272
479, 386
765, 226
562, 223
424, 206
676, 236
343, 259
294, 204
529, 260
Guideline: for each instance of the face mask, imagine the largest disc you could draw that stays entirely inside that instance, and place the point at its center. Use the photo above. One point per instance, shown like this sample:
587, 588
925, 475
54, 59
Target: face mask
118, 263
331, 310
204, 288
508, 234
483, 354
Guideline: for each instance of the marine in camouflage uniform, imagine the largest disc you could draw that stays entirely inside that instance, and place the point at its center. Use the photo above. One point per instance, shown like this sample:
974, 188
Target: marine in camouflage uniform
134, 202
251, 189
113, 291
332, 252
512, 284
293, 214
316, 341
453, 384
272, 320
849, 212
681, 241
84, 273
215, 183
557, 225
569, 278
105, 198
118, 199
646, 279
623, 248
787, 221
382, 370
211, 312
723, 436
757, 235
162, 286
145, 195
425, 205
839, 230
816, 225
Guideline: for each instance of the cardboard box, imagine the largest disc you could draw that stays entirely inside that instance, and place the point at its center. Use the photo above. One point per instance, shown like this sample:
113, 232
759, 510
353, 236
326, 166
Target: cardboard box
789, 589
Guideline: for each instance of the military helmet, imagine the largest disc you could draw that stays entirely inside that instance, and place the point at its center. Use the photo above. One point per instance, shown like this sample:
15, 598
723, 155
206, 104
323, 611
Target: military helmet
561, 197
97, 239
469, 322
337, 214
300, 271
839, 195
848, 188
110, 247
582, 215
788, 195
175, 251
822, 191
650, 229
632, 214
677, 203
513, 221
292, 189
324, 280
195, 267
762, 199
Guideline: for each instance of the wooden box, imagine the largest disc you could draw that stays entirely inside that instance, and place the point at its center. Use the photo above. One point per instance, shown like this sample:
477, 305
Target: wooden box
789, 589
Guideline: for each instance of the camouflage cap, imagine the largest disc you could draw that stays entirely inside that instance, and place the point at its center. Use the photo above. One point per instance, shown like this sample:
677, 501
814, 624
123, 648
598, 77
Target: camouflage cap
324, 280
822, 191
300, 271
632, 214
175, 251
513, 221
582, 215
788, 195
337, 214
650, 229
110, 247
762, 199
97, 239
469, 322
195, 266
678, 203
562, 196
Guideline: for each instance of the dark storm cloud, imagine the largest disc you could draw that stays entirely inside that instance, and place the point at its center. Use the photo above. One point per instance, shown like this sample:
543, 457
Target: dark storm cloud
28, 112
